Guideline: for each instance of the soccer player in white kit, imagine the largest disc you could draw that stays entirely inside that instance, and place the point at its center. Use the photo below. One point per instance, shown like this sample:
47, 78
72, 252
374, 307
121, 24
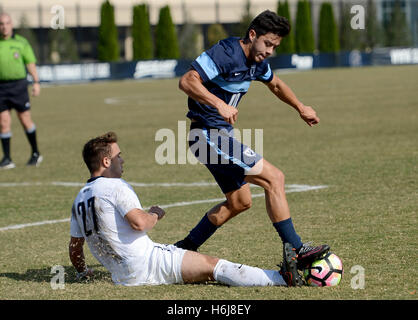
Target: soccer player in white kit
108, 215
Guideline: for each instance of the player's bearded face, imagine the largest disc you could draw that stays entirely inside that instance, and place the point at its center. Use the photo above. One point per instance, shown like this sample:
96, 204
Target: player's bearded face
263, 46
116, 166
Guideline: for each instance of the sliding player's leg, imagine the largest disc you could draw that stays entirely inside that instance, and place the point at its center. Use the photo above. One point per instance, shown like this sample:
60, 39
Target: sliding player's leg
197, 267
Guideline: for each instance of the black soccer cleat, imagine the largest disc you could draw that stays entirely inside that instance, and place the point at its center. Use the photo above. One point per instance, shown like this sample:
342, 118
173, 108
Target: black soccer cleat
7, 163
308, 254
35, 160
186, 244
288, 268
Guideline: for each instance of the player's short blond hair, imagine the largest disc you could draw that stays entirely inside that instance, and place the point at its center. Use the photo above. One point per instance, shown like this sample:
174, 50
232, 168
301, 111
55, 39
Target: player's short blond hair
98, 148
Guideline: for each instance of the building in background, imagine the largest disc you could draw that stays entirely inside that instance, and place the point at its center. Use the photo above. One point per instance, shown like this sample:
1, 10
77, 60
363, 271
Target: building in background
82, 17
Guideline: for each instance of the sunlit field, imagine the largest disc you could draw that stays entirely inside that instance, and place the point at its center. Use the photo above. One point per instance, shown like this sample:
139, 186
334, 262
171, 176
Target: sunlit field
363, 154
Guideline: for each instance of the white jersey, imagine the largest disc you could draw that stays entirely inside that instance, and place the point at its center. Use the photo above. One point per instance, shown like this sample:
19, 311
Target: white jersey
98, 215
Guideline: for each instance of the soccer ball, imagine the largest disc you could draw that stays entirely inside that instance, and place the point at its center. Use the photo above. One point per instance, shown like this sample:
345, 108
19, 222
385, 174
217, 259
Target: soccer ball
325, 272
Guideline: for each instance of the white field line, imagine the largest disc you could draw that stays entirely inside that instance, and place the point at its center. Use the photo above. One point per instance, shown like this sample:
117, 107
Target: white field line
289, 189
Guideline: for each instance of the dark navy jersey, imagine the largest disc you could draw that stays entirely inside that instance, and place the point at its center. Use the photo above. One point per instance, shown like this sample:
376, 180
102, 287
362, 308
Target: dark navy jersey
227, 74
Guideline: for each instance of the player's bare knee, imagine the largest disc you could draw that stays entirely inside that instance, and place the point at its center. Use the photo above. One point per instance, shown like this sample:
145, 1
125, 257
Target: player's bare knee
211, 261
280, 177
276, 179
197, 267
211, 264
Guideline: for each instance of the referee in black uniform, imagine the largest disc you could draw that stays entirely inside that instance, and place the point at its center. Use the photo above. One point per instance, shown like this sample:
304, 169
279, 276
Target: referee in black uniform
16, 56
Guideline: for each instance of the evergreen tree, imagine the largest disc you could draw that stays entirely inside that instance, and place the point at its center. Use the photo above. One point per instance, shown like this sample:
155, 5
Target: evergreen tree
216, 32
190, 39
166, 36
62, 46
108, 47
397, 30
141, 33
328, 35
374, 34
25, 31
304, 39
350, 39
241, 28
287, 45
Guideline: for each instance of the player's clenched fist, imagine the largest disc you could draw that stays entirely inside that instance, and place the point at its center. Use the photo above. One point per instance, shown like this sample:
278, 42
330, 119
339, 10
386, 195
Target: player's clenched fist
229, 113
308, 114
158, 211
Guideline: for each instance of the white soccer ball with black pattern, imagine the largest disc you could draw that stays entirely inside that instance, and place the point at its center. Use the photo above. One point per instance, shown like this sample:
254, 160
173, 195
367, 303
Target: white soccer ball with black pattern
325, 272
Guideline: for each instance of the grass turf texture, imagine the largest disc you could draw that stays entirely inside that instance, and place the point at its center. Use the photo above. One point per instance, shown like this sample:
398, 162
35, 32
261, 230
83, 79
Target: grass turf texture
364, 149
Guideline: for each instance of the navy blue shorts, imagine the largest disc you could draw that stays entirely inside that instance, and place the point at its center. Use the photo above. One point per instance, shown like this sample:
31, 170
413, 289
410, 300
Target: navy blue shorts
14, 94
228, 160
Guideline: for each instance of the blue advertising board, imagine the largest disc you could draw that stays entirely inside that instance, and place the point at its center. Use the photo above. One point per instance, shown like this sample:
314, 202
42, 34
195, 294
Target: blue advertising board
172, 68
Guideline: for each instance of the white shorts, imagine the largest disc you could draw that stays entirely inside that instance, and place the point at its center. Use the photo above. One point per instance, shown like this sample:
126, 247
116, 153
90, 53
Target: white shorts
163, 266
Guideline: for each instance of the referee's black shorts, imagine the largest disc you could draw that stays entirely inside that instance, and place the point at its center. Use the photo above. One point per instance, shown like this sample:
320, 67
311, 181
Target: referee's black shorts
14, 94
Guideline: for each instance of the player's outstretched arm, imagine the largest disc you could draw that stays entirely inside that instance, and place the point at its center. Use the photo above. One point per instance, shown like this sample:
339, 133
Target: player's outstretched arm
191, 84
284, 93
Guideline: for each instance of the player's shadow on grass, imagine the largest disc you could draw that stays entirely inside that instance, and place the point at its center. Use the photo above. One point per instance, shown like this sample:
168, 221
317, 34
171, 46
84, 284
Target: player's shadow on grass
45, 275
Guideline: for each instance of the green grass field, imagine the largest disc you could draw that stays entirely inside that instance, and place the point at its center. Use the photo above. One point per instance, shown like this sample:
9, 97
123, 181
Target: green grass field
365, 150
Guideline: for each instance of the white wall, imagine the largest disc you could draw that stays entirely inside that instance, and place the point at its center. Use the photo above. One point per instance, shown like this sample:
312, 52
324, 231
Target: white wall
38, 13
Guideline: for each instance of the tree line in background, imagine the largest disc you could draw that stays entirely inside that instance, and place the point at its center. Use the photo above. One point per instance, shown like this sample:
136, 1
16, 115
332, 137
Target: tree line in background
333, 37
166, 41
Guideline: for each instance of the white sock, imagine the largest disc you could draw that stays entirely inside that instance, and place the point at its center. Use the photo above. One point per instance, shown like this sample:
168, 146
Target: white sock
240, 275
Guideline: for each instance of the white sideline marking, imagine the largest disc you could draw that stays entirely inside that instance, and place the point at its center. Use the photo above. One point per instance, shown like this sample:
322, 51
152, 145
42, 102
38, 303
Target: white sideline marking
20, 184
21, 226
111, 100
290, 189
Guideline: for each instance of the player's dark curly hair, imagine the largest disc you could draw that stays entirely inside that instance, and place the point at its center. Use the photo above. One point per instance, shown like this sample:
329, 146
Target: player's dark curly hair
266, 22
98, 148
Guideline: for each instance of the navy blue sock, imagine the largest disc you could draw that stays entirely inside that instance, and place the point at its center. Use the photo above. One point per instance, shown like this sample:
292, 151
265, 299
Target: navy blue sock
287, 233
31, 135
5, 143
203, 231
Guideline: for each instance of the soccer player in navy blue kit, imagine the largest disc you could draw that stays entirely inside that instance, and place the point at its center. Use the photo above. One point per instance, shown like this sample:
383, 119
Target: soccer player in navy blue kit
215, 84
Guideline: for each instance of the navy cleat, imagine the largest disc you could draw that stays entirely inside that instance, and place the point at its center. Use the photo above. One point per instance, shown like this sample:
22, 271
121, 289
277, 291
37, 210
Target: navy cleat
288, 268
308, 254
186, 244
